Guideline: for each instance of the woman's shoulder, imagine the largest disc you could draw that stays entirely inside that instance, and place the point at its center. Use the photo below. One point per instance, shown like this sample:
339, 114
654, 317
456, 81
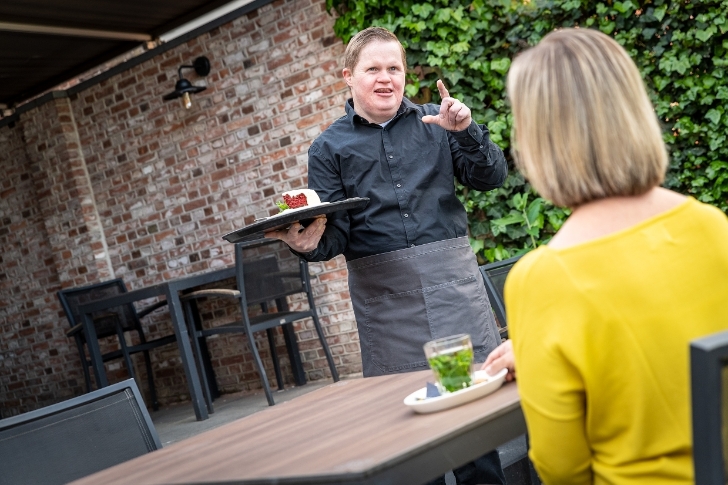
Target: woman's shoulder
538, 264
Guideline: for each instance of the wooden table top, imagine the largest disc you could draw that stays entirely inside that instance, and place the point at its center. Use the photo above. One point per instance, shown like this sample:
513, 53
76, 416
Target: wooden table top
352, 431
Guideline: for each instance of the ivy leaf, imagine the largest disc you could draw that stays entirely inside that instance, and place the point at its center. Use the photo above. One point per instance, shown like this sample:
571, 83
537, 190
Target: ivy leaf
477, 245
713, 115
500, 65
423, 10
514, 218
534, 210
704, 35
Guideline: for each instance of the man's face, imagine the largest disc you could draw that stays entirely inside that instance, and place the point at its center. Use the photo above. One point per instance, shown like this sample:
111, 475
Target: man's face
377, 81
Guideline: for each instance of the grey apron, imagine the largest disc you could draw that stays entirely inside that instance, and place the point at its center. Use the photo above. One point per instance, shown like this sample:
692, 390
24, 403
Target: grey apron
405, 298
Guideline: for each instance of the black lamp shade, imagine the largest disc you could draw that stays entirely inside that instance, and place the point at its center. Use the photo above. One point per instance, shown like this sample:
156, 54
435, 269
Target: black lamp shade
183, 86
201, 66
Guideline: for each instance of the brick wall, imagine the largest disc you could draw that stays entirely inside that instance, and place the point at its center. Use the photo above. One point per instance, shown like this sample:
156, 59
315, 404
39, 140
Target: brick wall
115, 182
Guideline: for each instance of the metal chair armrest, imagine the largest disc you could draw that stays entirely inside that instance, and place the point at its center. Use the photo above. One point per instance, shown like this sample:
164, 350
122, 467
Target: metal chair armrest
74, 330
146, 311
210, 292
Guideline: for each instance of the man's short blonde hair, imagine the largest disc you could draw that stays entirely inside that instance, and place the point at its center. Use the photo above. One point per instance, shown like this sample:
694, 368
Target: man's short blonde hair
583, 125
364, 37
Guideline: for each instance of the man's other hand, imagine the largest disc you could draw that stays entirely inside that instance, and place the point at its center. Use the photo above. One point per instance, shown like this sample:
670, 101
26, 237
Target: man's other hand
454, 115
303, 240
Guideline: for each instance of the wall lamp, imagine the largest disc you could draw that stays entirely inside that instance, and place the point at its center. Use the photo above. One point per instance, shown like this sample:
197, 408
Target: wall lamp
183, 88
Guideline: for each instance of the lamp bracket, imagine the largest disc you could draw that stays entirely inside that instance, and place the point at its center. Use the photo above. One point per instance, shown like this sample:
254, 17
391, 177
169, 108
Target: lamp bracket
201, 65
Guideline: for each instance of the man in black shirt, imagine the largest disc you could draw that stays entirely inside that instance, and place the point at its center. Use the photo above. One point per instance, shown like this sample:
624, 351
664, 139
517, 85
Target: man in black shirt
412, 274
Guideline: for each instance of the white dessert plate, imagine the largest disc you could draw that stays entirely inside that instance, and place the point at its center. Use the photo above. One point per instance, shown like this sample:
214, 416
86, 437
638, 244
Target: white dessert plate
420, 403
291, 211
303, 215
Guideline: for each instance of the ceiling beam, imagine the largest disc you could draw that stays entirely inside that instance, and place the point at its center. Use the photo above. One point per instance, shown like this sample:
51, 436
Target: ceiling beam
72, 32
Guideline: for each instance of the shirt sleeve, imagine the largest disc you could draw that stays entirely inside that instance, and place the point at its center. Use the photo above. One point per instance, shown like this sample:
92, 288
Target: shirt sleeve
553, 396
478, 162
326, 181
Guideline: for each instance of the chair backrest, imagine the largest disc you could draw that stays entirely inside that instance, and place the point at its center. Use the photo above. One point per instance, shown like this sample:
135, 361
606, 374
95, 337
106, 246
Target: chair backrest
494, 277
72, 298
78, 437
709, 388
268, 270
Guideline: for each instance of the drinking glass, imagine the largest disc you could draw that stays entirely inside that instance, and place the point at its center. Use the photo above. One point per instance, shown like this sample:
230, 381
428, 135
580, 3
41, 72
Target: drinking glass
451, 360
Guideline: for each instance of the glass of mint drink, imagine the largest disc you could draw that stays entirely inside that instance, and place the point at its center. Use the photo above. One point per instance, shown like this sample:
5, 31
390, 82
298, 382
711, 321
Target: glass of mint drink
451, 360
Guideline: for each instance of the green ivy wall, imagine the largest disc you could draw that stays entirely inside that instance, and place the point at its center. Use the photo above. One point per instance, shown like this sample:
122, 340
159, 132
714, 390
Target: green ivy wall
680, 47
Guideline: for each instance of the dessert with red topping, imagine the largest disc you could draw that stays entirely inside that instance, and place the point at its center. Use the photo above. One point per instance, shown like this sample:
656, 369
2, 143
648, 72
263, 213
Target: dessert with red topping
295, 199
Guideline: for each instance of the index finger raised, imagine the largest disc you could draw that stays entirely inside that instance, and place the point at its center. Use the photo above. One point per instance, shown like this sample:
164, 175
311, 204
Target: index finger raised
442, 89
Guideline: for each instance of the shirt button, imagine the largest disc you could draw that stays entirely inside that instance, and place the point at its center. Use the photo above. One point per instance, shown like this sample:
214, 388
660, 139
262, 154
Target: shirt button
391, 156
481, 146
406, 215
399, 185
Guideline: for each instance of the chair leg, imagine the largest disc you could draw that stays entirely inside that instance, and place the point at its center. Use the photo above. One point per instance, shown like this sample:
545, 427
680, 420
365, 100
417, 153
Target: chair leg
274, 356
191, 320
256, 355
84, 364
294, 354
150, 380
125, 352
322, 338
261, 371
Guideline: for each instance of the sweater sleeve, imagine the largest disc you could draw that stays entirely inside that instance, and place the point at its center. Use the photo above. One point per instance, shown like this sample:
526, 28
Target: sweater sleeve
552, 390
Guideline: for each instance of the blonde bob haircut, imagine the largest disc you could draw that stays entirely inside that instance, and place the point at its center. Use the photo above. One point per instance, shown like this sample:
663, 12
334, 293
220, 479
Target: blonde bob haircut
365, 37
583, 125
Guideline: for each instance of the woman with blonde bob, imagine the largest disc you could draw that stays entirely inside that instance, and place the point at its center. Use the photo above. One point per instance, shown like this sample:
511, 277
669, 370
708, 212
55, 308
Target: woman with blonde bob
601, 317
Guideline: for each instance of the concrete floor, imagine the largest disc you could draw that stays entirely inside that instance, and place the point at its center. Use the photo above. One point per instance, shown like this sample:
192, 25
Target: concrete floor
177, 422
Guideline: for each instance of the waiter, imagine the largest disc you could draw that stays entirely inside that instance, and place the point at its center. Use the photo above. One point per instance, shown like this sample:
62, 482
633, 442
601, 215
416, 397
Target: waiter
412, 274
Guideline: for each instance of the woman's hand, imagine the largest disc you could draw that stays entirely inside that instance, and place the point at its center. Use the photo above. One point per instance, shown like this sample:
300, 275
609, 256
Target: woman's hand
501, 358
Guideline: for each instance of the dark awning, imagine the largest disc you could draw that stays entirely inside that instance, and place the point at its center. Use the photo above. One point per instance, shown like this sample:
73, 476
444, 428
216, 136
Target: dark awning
44, 43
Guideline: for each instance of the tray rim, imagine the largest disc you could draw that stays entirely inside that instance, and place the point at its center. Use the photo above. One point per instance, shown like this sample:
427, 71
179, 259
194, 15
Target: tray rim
257, 229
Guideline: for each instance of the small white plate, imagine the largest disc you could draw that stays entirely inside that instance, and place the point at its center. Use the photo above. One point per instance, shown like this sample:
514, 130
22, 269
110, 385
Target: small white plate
420, 403
291, 211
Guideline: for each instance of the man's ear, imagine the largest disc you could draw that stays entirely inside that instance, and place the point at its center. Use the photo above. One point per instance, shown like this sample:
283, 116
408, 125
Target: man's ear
346, 72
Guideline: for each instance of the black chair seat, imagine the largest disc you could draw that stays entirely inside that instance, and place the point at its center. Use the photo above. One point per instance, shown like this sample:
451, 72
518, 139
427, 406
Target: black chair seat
257, 323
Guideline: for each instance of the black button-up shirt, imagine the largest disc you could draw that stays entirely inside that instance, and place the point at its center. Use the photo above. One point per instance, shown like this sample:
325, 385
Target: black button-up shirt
407, 170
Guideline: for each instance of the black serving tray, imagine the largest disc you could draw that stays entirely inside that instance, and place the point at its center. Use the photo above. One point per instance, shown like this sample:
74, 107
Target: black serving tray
303, 215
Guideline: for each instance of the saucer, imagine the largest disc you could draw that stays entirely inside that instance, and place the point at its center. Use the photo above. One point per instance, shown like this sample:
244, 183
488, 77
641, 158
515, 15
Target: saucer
420, 403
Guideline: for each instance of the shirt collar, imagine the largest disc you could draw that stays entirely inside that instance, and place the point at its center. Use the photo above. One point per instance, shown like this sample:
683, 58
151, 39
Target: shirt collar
406, 107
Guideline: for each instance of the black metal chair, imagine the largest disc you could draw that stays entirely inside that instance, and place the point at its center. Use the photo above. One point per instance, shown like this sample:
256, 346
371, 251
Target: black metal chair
70, 440
117, 323
266, 274
709, 389
494, 277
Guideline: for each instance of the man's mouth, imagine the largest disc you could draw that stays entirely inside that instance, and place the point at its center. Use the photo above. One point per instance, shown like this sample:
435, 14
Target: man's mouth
383, 91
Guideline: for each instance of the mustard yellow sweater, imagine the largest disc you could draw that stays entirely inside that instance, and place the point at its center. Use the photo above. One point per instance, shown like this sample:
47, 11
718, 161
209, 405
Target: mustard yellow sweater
601, 333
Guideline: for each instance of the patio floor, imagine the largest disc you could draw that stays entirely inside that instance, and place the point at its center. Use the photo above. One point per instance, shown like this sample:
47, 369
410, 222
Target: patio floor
177, 422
